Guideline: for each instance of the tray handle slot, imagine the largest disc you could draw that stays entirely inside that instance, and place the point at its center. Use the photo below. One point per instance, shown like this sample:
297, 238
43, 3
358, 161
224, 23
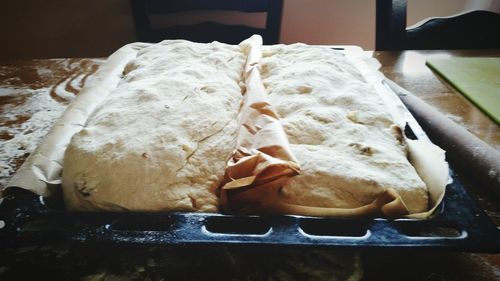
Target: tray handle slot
416, 230
237, 225
337, 228
408, 131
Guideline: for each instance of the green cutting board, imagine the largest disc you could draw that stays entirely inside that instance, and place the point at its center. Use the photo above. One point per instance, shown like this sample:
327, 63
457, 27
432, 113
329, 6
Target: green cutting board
477, 78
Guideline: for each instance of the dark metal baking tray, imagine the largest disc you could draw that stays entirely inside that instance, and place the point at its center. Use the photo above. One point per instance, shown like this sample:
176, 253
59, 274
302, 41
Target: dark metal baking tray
458, 224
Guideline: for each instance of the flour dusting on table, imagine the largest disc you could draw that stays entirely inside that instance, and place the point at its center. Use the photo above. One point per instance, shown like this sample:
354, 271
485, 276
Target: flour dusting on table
32, 97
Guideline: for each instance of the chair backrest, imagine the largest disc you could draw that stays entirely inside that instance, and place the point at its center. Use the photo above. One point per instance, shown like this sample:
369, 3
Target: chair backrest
207, 31
471, 30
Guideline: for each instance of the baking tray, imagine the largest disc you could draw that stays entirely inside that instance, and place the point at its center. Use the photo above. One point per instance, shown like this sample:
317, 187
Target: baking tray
458, 224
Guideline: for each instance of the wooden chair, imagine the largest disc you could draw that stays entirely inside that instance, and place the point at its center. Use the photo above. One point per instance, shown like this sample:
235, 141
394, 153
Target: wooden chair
471, 30
206, 31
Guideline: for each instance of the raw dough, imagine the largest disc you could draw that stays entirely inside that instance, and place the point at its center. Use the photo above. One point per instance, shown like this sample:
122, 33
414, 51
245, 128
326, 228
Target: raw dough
160, 140
338, 126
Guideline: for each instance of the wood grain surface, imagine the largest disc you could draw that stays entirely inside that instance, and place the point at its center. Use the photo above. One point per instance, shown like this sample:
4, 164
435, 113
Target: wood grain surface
408, 69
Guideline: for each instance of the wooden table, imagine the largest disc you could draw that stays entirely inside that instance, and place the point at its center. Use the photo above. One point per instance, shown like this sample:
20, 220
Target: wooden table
408, 69
33, 93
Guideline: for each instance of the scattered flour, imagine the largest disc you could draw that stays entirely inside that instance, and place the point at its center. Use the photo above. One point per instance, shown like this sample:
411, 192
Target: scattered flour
33, 94
39, 111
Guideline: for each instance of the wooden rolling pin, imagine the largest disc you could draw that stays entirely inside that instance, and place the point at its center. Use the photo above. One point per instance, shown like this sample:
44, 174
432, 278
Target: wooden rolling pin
463, 149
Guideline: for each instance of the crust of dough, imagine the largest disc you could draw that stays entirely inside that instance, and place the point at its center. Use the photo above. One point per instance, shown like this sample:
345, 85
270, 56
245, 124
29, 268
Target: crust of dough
167, 150
339, 130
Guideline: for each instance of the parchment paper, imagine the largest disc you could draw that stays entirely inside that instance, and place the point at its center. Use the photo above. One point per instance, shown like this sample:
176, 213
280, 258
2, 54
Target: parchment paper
262, 159
41, 172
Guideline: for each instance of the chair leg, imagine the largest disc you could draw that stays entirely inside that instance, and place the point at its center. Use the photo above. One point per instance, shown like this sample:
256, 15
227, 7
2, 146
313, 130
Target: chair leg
141, 20
273, 22
390, 25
